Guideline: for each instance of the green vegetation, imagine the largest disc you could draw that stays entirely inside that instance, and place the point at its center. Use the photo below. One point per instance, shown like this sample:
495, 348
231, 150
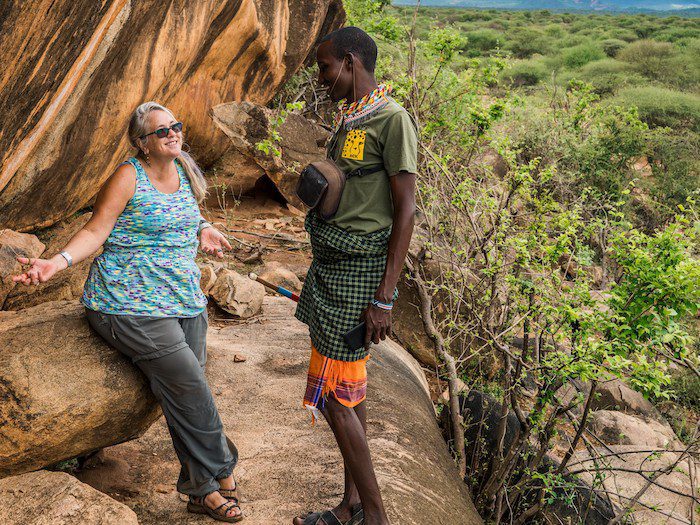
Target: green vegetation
630, 62
547, 139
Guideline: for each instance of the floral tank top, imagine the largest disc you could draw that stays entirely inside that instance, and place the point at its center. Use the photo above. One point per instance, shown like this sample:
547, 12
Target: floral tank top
147, 267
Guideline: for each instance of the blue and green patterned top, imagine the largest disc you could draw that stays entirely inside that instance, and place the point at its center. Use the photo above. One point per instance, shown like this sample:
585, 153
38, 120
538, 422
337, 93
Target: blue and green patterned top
147, 266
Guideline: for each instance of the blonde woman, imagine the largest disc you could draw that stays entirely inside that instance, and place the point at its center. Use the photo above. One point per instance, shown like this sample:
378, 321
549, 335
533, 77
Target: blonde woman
143, 296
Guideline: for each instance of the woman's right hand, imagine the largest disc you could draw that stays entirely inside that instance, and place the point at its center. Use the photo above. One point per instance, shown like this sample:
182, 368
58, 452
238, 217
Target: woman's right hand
40, 270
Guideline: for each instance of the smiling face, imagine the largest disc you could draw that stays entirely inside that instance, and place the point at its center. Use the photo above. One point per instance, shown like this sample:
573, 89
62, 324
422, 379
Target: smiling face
334, 74
170, 146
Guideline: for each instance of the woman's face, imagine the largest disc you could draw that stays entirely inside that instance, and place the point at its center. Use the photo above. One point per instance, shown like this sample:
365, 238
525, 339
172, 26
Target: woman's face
168, 147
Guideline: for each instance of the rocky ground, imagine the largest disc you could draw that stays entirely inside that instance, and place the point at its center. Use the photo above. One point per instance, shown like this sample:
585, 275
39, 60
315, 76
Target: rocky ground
286, 465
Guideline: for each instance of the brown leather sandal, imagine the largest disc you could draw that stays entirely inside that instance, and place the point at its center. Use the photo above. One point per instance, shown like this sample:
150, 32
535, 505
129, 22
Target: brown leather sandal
197, 505
230, 494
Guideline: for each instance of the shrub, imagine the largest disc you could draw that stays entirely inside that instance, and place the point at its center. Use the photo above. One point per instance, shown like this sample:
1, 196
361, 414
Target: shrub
686, 385
625, 34
612, 46
675, 34
555, 31
652, 59
582, 54
525, 42
675, 165
483, 40
526, 73
609, 76
663, 107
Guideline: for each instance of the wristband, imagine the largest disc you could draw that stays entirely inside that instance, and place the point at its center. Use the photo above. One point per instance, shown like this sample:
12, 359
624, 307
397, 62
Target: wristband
202, 225
382, 306
67, 257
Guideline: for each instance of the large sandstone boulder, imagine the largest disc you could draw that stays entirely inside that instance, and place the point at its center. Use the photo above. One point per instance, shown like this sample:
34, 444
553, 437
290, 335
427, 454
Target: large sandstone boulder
247, 125
75, 69
615, 395
39, 498
666, 501
624, 429
67, 284
63, 391
12, 245
288, 466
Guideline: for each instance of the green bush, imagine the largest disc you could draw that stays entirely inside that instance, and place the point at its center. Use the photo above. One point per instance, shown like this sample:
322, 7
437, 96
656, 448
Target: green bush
525, 42
612, 46
526, 73
625, 34
581, 55
660, 106
686, 386
609, 76
555, 31
676, 165
652, 59
484, 40
674, 34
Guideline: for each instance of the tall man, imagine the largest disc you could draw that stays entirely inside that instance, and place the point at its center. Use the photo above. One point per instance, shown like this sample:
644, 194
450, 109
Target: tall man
358, 255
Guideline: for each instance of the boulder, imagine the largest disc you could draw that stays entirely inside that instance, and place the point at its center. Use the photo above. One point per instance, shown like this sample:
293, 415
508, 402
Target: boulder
64, 392
42, 497
237, 295
79, 68
67, 284
247, 125
407, 325
275, 273
482, 414
287, 465
615, 395
657, 504
623, 429
208, 278
298, 265
462, 389
13, 244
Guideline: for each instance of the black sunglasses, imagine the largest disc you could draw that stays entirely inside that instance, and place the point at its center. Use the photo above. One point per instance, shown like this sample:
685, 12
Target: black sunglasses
161, 133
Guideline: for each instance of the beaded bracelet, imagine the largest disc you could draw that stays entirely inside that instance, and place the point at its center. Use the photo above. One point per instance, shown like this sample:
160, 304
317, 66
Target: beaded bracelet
381, 305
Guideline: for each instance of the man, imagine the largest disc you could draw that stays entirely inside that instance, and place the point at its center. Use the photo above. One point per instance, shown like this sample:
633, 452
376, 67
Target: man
358, 255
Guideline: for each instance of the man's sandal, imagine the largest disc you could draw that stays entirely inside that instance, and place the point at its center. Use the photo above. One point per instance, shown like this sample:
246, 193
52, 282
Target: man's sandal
329, 518
198, 506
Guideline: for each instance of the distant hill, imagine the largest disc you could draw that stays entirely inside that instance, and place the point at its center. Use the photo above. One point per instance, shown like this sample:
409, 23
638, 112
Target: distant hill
680, 7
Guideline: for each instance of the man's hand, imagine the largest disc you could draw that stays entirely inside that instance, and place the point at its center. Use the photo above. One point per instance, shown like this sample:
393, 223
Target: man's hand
378, 323
213, 242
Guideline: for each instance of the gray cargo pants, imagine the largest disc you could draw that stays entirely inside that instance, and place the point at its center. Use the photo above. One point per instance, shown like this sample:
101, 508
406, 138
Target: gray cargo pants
172, 352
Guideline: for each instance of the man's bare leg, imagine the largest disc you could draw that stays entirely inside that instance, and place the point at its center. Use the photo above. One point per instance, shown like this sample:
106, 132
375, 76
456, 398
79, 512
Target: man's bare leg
351, 497
349, 428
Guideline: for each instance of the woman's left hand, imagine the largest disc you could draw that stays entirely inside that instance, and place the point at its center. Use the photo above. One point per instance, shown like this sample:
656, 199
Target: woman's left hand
213, 242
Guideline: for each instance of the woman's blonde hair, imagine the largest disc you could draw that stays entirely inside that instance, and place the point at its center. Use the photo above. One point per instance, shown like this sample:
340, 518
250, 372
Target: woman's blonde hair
137, 129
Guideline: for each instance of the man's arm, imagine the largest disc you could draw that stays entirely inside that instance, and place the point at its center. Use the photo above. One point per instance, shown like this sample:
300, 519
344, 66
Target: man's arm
403, 195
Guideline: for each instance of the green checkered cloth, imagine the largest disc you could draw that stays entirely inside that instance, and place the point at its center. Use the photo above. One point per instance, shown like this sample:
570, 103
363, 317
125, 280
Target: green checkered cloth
343, 277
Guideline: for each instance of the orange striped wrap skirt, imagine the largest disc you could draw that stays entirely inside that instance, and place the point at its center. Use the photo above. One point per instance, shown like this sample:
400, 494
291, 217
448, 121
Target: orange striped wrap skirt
346, 381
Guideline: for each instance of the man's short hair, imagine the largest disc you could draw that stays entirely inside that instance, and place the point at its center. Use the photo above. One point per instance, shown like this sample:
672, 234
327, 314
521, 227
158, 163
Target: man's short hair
353, 40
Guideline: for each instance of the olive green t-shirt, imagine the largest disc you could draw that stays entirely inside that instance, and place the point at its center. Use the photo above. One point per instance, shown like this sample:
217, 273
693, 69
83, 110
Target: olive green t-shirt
387, 137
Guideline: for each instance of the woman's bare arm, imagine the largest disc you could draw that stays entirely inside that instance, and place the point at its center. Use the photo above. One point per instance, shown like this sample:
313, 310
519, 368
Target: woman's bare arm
110, 203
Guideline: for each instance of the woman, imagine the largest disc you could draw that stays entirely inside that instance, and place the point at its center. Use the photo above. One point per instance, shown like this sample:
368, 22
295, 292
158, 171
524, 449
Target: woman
143, 296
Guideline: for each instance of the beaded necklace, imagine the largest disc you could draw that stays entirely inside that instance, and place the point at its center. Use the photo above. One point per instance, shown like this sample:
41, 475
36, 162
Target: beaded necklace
353, 114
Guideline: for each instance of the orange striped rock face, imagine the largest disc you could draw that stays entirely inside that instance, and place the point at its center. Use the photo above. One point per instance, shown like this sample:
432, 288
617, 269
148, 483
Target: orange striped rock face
73, 70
